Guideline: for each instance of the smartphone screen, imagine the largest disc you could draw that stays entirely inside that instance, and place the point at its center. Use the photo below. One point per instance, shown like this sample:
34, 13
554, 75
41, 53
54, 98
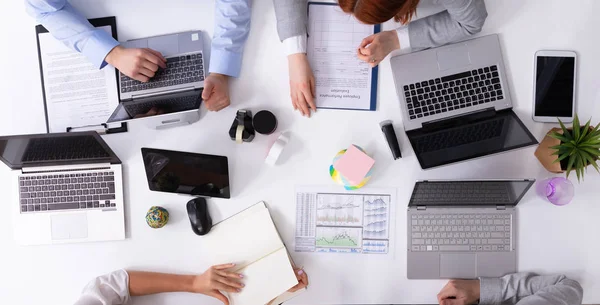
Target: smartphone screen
554, 86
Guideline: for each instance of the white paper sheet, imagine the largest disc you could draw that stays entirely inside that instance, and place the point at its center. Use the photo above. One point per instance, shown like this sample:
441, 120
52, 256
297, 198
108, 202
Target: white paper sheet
342, 80
333, 221
77, 93
250, 240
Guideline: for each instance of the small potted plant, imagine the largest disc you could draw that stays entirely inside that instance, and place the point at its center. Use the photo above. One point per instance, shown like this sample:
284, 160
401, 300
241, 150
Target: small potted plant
570, 149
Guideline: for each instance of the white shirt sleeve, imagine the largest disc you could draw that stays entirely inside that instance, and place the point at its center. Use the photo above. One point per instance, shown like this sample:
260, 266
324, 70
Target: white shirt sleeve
109, 289
294, 45
403, 38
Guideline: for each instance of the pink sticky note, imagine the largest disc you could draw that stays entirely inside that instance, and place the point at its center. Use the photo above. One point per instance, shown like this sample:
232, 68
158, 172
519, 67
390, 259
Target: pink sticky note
354, 165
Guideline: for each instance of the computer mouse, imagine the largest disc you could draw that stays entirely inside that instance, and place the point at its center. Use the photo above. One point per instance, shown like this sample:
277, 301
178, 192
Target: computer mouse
199, 217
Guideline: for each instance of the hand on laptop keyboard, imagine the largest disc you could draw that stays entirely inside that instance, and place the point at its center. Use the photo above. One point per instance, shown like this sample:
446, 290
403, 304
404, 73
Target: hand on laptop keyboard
216, 92
139, 64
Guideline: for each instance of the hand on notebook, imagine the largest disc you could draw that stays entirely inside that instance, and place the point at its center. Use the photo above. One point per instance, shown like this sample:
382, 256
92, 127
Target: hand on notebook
376, 47
218, 278
302, 280
459, 292
216, 92
302, 84
139, 64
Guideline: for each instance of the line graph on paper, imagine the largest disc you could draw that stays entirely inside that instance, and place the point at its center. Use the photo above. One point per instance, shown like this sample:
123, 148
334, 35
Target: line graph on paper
376, 217
338, 237
339, 210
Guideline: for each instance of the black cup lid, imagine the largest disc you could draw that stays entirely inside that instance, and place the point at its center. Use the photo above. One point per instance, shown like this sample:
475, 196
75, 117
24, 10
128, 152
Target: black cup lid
264, 122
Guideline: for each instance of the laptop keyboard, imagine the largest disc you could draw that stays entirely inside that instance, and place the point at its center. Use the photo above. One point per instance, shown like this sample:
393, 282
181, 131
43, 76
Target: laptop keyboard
84, 190
459, 136
63, 148
461, 232
180, 70
169, 105
453, 92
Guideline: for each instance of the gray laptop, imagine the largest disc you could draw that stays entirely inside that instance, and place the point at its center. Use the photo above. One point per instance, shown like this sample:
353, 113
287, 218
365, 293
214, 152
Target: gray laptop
463, 229
173, 95
456, 103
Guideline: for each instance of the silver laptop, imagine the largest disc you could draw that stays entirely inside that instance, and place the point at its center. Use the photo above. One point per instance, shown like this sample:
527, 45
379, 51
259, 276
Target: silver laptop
68, 187
456, 103
463, 229
173, 96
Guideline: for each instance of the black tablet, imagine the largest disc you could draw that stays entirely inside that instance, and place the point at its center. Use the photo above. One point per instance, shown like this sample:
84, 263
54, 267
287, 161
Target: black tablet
186, 173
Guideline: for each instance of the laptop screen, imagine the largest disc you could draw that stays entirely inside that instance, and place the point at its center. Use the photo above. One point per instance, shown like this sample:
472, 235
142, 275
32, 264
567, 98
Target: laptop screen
186, 173
458, 139
453, 193
55, 149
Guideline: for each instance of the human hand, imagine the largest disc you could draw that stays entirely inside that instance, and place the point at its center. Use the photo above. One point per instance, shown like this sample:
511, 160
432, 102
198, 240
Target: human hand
459, 292
139, 64
376, 47
302, 84
302, 280
216, 92
218, 278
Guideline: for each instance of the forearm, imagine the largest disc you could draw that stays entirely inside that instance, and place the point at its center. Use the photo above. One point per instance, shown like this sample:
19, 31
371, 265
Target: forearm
72, 29
232, 18
291, 18
144, 283
530, 289
461, 19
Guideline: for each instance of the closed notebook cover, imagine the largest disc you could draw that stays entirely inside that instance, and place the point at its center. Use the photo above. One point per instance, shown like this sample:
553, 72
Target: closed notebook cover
250, 240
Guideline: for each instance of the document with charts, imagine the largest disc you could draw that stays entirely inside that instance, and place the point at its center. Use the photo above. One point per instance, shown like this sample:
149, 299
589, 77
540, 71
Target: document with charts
334, 221
342, 80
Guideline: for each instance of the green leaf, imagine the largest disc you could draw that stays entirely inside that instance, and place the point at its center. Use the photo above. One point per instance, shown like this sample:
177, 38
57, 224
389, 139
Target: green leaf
559, 137
570, 166
589, 160
562, 157
579, 169
576, 128
586, 129
565, 130
593, 152
589, 146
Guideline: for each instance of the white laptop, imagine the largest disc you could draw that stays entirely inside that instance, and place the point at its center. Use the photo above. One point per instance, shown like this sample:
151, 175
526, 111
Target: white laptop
68, 187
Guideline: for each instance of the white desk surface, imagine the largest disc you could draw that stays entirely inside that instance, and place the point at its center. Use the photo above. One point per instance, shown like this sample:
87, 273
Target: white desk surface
551, 239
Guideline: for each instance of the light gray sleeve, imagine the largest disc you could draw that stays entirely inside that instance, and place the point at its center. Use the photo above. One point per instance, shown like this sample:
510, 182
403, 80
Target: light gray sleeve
292, 17
530, 289
109, 289
462, 18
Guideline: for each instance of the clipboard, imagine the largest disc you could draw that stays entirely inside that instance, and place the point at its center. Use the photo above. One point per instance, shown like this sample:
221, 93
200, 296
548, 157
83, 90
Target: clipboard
103, 128
374, 70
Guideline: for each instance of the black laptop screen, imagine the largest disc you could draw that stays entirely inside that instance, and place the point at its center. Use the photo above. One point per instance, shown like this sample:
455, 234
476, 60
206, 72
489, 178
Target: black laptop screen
186, 173
458, 193
55, 149
466, 139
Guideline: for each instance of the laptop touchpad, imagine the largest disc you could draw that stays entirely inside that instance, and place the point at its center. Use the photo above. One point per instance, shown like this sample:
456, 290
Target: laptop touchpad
458, 266
453, 58
69, 226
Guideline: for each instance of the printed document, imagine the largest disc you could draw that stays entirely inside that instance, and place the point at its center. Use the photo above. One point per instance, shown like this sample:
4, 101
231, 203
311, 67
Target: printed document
77, 93
333, 221
342, 80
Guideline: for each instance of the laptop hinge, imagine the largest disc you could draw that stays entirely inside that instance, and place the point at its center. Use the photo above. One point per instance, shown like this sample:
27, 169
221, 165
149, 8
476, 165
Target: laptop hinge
501, 207
421, 208
459, 120
64, 168
163, 92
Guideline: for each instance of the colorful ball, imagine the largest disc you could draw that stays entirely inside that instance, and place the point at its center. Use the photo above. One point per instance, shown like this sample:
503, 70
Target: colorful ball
157, 217
340, 179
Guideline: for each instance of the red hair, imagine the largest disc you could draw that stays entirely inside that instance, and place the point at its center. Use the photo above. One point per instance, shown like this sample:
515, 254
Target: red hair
380, 11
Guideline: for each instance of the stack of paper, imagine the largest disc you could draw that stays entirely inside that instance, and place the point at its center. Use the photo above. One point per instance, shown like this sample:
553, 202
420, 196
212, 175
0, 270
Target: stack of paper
250, 240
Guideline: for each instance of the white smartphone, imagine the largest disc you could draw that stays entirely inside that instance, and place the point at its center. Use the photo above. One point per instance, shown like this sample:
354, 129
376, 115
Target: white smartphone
554, 83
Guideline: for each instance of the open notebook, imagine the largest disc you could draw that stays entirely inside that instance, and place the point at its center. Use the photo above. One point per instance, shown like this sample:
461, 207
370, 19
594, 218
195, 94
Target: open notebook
251, 240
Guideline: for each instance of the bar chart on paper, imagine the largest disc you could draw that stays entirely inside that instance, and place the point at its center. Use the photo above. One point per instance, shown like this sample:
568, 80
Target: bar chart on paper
338, 222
